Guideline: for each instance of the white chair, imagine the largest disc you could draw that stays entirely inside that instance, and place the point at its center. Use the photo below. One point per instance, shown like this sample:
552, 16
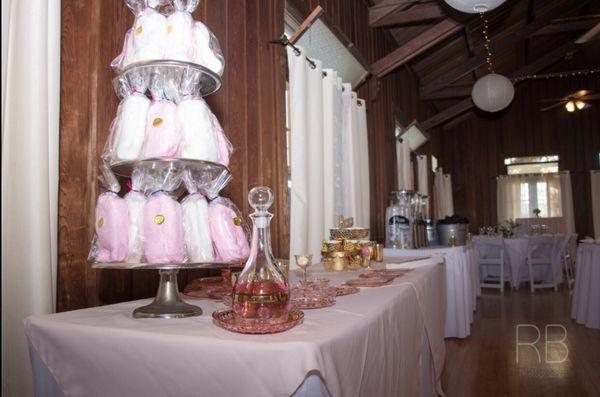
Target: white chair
567, 260
490, 252
540, 250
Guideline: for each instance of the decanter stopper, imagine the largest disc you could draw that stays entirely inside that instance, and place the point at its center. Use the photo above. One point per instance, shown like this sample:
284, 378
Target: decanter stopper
261, 199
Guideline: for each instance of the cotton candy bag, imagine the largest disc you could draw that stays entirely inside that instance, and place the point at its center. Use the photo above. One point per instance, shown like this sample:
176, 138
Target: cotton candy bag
194, 119
179, 31
136, 201
129, 127
111, 223
229, 237
162, 225
163, 137
196, 226
224, 146
207, 51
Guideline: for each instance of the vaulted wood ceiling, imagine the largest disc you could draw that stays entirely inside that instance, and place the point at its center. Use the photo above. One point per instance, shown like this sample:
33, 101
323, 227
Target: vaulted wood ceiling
444, 49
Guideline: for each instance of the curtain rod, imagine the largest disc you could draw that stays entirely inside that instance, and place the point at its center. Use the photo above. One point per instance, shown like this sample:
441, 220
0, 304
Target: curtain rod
283, 40
530, 175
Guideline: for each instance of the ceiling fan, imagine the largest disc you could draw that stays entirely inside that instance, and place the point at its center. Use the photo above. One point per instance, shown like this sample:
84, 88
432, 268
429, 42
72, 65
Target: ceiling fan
573, 102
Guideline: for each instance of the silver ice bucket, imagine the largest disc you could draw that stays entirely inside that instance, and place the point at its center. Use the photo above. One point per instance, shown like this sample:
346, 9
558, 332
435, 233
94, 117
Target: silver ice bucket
458, 230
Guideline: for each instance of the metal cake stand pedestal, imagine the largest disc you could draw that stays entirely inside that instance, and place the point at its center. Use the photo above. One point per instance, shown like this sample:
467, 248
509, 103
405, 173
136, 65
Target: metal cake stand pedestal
167, 303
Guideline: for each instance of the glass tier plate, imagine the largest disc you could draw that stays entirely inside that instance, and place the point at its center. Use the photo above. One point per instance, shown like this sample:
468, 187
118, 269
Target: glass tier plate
384, 273
209, 177
162, 266
202, 80
226, 319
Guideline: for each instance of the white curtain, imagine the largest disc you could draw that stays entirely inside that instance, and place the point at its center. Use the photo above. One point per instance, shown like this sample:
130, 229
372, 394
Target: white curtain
519, 195
442, 194
329, 154
30, 131
405, 167
595, 180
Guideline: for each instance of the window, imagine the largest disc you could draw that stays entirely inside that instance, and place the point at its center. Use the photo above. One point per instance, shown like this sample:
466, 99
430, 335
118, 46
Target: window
531, 164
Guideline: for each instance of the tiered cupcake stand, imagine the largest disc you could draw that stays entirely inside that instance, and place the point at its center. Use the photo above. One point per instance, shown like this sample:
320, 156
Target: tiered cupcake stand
167, 302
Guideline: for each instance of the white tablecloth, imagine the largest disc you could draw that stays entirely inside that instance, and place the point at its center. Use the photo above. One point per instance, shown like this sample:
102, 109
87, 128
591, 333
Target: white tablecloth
462, 284
585, 306
368, 344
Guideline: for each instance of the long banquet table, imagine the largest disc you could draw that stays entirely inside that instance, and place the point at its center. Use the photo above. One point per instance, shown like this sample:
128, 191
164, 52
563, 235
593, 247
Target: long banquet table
380, 342
462, 284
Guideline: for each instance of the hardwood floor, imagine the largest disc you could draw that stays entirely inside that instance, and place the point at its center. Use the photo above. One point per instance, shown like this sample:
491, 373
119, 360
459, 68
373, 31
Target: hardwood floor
485, 364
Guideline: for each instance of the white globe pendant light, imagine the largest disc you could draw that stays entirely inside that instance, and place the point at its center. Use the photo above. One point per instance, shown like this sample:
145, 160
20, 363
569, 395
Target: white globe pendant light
493, 92
474, 6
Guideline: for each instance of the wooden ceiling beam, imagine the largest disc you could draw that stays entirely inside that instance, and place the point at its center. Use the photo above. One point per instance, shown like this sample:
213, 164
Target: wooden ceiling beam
498, 48
565, 27
449, 93
534, 67
386, 7
414, 15
414, 47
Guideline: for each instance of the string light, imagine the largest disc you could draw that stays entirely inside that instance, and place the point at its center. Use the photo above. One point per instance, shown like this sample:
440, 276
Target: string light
487, 42
586, 72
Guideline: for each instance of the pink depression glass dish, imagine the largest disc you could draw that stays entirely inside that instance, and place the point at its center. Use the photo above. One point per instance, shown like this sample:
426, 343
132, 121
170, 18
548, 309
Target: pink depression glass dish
346, 290
369, 281
226, 319
384, 273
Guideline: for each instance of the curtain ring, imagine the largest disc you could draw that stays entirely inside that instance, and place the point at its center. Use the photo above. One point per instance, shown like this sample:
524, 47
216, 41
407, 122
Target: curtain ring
312, 65
296, 51
324, 74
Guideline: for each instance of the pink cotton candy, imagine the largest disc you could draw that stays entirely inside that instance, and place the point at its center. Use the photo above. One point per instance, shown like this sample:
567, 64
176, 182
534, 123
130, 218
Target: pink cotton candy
112, 228
163, 231
224, 147
229, 239
163, 137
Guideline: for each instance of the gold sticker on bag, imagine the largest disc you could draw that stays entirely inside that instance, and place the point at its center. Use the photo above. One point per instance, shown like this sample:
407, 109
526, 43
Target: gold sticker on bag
169, 28
237, 221
159, 219
157, 121
138, 30
100, 222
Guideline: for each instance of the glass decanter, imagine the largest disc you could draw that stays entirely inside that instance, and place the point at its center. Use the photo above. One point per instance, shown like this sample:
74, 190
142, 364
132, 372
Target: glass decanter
261, 293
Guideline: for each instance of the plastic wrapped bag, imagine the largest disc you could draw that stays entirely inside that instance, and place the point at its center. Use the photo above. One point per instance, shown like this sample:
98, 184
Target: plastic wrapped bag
224, 146
129, 127
163, 138
229, 236
163, 230
136, 200
111, 223
207, 51
195, 122
196, 226
149, 34
180, 30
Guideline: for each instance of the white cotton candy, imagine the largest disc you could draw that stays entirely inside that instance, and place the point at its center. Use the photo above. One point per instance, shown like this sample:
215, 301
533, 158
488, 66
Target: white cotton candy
196, 229
149, 35
131, 127
203, 53
198, 138
179, 37
135, 206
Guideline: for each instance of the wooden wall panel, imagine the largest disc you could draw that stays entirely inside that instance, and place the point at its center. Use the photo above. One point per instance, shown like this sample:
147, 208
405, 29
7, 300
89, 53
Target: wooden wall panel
473, 151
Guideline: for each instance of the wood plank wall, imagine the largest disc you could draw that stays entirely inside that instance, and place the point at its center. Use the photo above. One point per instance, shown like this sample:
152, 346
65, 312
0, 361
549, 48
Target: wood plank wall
473, 151
250, 106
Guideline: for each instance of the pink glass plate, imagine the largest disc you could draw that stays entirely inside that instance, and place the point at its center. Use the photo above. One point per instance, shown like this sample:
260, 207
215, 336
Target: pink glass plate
346, 290
384, 273
312, 303
226, 319
369, 281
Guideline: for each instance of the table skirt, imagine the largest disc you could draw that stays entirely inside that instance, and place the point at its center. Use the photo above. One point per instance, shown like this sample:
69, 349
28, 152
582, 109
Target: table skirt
585, 306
